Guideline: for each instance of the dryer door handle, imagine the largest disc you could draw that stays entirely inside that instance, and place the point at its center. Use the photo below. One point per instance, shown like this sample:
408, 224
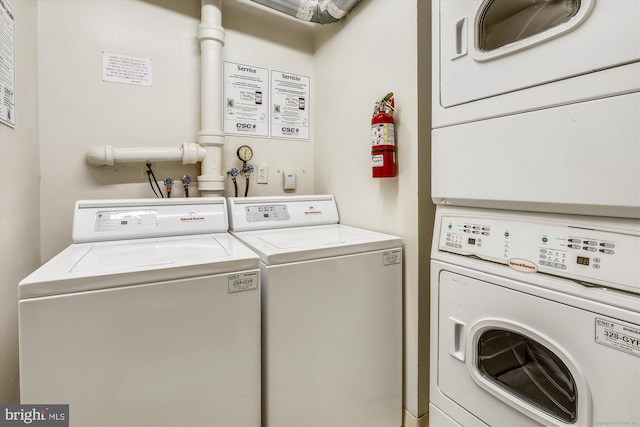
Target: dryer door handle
456, 339
459, 30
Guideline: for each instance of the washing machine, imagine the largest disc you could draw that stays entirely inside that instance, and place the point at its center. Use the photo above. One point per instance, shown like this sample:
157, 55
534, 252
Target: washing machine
150, 318
331, 313
535, 319
533, 109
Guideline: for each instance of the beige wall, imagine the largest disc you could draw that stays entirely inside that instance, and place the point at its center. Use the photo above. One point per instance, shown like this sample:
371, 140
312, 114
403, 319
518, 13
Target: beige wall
19, 197
369, 53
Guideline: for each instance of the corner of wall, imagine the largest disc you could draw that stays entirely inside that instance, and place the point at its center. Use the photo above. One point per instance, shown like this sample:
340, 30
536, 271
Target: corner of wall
20, 195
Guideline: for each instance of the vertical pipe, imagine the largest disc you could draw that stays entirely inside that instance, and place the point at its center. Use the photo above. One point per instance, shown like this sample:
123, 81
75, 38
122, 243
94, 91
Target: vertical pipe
211, 135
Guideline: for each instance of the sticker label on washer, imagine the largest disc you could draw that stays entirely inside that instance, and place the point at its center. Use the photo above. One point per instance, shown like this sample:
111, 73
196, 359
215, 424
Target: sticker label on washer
391, 257
617, 335
243, 282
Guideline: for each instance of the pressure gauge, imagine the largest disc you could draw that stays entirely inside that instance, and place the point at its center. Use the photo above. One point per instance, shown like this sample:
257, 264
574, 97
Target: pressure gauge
245, 153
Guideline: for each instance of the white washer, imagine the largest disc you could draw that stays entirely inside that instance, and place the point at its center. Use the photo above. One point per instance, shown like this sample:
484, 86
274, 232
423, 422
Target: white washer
535, 319
332, 314
151, 318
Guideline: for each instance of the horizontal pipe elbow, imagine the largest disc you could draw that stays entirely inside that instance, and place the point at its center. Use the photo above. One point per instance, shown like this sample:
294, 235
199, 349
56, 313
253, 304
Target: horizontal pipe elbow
100, 155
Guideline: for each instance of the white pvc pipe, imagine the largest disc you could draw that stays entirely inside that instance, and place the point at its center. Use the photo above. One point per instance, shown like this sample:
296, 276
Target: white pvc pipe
107, 155
211, 135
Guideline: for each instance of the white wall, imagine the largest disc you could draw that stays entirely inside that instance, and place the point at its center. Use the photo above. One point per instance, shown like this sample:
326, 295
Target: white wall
358, 60
19, 197
257, 36
78, 109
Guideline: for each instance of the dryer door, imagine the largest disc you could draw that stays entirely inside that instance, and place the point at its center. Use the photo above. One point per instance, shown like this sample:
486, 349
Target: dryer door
513, 358
492, 47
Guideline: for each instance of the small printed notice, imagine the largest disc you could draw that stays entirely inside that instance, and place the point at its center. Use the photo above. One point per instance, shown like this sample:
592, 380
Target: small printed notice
246, 97
391, 257
619, 336
243, 282
7, 64
126, 69
289, 105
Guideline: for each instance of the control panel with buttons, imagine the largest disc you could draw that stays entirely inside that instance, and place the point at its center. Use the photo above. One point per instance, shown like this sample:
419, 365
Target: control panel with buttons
121, 219
267, 213
585, 252
117, 220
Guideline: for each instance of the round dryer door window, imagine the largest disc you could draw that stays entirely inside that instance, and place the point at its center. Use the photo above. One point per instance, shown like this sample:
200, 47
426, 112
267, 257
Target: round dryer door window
529, 371
503, 22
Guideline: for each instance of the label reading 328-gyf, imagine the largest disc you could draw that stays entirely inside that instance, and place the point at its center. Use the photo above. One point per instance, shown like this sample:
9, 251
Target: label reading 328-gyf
620, 336
243, 282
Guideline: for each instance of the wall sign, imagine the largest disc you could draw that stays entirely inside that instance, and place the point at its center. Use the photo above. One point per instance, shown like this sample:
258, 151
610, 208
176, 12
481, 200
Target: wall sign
7, 64
126, 69
246, 98
289, 105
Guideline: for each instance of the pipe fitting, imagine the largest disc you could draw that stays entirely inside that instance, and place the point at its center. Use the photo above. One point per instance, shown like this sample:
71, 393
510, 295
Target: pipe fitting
210, 137
211, 32
192, 153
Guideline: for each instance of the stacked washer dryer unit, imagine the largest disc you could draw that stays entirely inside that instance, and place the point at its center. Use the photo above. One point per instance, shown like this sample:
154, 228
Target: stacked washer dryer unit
331, 314
151, 318
535, 306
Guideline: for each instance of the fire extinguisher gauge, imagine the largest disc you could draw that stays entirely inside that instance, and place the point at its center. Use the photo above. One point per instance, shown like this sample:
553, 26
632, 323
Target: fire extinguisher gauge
245, 153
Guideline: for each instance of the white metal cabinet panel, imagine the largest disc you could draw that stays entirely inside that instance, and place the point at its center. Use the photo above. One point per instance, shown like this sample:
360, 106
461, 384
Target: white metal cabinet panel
332, 337
577, 158
183, 352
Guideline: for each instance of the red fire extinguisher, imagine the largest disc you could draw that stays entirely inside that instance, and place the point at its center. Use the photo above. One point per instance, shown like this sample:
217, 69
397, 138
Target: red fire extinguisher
383, 143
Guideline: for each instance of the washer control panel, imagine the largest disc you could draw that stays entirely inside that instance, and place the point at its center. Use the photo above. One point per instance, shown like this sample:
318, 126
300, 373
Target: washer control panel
130, 219
585, 252
119, 219
261, 213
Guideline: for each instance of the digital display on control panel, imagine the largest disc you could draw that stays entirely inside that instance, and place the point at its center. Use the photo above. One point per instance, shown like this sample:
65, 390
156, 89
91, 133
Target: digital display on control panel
472, 241
583, 260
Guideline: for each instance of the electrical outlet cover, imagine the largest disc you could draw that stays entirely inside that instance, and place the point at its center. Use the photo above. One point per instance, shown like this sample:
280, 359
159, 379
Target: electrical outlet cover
289, 178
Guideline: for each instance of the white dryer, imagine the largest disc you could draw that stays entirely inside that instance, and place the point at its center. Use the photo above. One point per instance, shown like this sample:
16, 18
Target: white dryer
151, 318
535, 320
534, 109
499, 57
331, 314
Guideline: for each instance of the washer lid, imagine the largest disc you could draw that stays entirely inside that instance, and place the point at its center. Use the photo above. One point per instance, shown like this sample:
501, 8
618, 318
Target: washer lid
100, 265
279, 246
